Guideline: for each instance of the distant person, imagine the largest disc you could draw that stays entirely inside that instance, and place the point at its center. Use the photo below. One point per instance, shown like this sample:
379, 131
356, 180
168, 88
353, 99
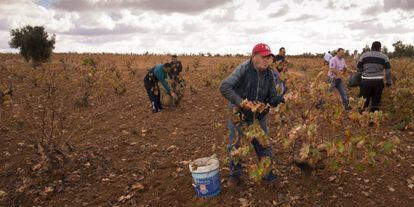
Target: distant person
176, 68
327, 57
155, 75
355, 56
372, 65
177, 83
237, 89
280, 60
337, 67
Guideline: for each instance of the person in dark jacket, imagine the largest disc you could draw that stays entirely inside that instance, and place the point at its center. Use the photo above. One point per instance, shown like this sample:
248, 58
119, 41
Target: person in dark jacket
371, 65
280, 60
176, 68
155, 75
252, 81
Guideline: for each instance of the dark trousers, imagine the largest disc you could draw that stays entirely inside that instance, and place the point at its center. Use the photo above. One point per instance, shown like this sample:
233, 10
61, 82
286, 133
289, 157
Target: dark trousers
154, 94
371, 90
261, 151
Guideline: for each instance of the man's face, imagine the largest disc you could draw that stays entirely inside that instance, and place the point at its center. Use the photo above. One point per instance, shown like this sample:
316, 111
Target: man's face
261, 62
341, 53
282, 52
174, 59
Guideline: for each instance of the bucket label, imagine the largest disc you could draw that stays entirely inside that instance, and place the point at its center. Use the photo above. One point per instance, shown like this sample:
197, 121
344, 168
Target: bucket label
203, 189
209, 186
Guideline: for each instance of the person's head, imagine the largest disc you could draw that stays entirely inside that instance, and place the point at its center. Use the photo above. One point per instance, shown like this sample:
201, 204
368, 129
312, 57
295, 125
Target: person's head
340, 52
174, 58
329, 52
376, 46
282, 51
261, 56
166, 67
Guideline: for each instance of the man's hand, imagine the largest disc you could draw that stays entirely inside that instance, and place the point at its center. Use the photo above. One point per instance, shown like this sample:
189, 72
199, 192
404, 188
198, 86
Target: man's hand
173, 95
254, 107
246, 104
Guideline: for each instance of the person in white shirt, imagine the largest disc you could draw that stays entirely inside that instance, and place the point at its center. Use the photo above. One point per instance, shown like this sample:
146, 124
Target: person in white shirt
327, 58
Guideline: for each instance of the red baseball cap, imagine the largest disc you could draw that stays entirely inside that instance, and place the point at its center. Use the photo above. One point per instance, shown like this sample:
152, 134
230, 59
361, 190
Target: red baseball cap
262, 49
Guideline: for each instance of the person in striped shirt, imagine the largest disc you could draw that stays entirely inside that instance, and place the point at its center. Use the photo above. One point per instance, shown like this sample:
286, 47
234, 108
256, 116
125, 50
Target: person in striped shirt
372, 65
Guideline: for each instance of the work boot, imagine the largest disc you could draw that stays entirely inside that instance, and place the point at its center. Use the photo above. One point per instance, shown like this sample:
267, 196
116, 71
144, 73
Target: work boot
348, 108
270, 177
273, 180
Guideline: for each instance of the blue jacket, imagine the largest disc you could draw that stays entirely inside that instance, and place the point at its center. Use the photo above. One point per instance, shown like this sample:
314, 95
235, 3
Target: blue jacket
161, 75
246, 82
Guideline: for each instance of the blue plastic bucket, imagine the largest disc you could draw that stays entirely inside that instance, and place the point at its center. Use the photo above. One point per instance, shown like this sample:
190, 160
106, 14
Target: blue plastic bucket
206, 176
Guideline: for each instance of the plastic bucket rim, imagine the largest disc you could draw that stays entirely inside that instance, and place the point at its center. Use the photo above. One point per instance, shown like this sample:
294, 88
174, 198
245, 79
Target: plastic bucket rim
215, 167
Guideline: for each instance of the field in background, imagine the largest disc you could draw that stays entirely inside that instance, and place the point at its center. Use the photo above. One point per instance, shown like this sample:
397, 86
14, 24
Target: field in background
111, 150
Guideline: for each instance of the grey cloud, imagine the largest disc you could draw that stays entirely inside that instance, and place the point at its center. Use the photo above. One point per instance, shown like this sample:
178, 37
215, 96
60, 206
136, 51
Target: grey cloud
190, 27
281, 12
405, 5
373, 10
4, 24
6, 2
117, 30
256, 30
182, 6
171, 6
303, 17
399, 4
372, 27
265, 3
332, 4
298, 1
68, 5
4, 45
228, 16
115, 16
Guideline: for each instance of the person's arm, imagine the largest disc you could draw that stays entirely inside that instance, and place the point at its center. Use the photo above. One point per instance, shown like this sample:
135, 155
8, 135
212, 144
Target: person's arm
332, 67
228, 85
179, 67
345, 66
360, 64
387, 68
170, 75
159, 74
273, 98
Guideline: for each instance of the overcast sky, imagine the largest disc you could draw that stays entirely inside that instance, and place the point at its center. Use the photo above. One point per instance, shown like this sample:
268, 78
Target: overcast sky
216, 26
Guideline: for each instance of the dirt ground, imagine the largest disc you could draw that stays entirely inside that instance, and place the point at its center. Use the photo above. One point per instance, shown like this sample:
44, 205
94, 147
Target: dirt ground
121, 154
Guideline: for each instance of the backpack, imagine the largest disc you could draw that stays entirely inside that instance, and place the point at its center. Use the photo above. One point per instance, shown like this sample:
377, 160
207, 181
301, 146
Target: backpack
355, 80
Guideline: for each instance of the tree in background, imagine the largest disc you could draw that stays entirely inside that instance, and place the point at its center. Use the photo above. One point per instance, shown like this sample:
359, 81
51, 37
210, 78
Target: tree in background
366, 48
403, 50
34, 43
385, 50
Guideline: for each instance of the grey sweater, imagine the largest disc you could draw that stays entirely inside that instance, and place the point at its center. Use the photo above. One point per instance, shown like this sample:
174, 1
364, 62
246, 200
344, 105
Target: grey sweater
372, 65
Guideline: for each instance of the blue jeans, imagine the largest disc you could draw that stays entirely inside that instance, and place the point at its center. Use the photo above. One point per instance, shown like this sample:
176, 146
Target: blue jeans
338, 84
235, 169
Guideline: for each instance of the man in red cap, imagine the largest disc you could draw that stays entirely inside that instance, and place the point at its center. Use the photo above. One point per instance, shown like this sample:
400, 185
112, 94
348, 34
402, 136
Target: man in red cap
251, 82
